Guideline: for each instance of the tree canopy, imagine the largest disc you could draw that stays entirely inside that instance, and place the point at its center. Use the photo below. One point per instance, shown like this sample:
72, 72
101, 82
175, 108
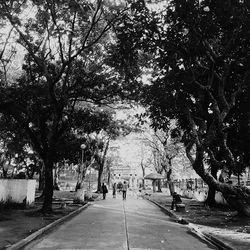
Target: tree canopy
199, 51
63, 45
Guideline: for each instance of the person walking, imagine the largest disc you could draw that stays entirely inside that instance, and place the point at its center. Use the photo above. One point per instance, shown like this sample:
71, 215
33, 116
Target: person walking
104, 191
124, 190
114, 190
176, 200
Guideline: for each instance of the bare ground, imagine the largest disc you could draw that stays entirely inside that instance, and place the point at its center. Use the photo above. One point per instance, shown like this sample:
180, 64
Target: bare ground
16, 224
197, 213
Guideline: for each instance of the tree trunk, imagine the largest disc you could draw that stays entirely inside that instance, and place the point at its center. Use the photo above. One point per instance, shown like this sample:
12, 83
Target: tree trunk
210, 201
101, 167
41, 178
99, 180
48, 189
238, 197
143, 184
170, 182
153, 183
81, 175
55, 181
109, 177
79, 172
143, 175
159, 186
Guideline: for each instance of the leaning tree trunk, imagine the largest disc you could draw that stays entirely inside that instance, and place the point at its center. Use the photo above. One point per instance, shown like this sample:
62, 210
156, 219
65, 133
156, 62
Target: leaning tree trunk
48, 188
237, 197
79, 175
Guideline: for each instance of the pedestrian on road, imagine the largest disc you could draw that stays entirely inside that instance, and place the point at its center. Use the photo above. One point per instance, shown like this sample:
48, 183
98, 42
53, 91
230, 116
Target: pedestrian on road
104, 190
124, 190
114, 190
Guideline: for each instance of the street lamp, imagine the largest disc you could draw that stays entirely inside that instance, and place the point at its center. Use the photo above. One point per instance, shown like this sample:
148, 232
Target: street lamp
83, 146
89, 177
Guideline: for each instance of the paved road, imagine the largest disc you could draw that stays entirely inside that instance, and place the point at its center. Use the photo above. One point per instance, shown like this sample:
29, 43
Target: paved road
113, 224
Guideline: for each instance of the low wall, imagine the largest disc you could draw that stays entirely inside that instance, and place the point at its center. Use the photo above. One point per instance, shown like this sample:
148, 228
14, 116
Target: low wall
200, 195
17, 191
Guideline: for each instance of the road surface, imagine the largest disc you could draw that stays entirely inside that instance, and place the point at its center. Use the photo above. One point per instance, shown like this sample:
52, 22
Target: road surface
114, 224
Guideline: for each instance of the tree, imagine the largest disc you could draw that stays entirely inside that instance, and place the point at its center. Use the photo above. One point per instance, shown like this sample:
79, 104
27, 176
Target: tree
145, 163
64, 44
201, 74
108, 169
115, 129
16, 147
166, 146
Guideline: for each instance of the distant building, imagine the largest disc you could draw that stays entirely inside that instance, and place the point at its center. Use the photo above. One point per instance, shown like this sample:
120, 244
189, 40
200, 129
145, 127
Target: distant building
127, 173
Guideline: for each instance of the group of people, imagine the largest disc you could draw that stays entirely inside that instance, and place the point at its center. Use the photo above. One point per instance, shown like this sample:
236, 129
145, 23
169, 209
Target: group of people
123, 188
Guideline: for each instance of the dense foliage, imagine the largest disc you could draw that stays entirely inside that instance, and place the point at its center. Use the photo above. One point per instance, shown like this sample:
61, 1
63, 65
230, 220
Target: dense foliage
61, 47
199, 52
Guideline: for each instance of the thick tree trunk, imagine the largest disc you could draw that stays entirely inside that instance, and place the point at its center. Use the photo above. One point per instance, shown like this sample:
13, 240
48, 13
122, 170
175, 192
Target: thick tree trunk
99, 180
82, 169
238, 197
48, 188
41, 179
210, 201
101, 167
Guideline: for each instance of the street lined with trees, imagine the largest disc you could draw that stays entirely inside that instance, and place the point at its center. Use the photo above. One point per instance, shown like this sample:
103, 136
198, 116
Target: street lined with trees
64, 44
79, 59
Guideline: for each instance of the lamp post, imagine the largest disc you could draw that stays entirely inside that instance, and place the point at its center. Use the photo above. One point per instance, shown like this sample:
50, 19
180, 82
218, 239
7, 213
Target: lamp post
89, 177
83, 146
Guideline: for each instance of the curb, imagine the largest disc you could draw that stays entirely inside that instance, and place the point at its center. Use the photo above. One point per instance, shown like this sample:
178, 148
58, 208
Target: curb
204, 236
217, 242
22, 243
169, 212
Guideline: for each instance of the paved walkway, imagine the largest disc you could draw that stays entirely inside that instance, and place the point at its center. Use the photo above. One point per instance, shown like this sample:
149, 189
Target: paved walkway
114, 224
223, 236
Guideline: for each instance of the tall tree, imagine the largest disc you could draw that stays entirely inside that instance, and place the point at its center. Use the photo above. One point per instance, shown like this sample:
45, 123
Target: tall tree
166, 146
64, 45
201, 77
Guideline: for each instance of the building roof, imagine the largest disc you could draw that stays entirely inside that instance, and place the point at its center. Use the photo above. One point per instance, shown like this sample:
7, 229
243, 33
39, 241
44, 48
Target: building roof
154, 176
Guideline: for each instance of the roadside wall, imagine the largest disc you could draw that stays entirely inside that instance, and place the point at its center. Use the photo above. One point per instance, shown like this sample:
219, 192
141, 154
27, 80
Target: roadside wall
200, 195
17, 191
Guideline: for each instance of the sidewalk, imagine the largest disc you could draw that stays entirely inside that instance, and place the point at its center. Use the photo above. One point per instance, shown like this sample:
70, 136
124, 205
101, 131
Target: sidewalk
218, 225
114, 224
